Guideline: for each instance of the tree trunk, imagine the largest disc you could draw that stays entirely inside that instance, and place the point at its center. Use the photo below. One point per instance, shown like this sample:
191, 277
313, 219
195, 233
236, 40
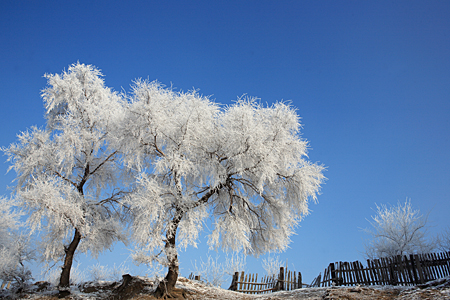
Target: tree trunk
166, 287
64, 281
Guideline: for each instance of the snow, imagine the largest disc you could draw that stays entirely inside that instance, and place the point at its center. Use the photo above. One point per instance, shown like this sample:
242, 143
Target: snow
191, 289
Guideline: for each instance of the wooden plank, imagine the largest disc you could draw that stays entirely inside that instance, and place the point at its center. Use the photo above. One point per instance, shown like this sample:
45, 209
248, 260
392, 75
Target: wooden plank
376, 272
300, 280
425, 267
419, 269
405, 273
444, 263
393, 271
407, 270
291, 280
370, 272
241, 285
351, 273
262, 281
435, 266
400, 270
415, 272
281, 279
383, 276
325, 277
364, 273
355, 270
345, 275
358, 278
362, 276
245, 282
332, 274
387, 271
252, 285
440, 267
424, 260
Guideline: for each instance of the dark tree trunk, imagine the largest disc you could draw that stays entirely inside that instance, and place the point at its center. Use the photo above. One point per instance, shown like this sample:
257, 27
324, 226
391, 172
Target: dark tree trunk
64, 281
166, 287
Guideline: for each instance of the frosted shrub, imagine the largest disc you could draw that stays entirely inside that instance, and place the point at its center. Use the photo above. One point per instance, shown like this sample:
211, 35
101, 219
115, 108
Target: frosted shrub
272, 265
211, 272
116, 272
98, 272
215, 273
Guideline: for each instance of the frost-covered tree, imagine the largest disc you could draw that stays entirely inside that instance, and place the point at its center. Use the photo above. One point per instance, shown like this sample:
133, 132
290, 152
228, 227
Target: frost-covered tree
244, 165
68, 175
15, 250
397, 230
443, 240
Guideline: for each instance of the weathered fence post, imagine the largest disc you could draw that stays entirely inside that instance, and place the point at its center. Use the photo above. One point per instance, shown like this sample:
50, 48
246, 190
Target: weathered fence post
300, 284
419, 269
233, 286
334, 280
280, 283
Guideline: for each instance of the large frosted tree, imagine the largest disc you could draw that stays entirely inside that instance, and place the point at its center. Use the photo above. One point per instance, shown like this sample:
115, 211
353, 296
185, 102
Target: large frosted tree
68, 175
244, 165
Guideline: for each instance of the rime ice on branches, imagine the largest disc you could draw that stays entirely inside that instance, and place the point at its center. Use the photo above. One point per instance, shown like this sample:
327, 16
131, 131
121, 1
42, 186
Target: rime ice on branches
243, 165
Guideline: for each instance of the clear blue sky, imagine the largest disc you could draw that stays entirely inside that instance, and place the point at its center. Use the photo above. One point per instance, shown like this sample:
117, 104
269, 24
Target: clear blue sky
370, 79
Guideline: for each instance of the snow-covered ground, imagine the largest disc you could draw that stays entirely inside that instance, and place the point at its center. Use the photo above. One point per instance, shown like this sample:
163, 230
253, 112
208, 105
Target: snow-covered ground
141, 288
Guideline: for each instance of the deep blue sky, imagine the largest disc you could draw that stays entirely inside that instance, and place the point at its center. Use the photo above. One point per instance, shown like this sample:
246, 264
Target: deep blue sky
370, 79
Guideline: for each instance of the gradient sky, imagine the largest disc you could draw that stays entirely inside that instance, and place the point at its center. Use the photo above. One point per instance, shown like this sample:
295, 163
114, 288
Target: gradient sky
370, 79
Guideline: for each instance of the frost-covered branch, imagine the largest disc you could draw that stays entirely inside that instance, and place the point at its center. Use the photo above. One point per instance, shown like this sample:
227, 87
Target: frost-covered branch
242, 165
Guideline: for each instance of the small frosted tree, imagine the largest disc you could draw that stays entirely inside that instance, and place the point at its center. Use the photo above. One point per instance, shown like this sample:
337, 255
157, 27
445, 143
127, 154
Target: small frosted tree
244, 165
443, 240
397, 230
68, 173
15, 250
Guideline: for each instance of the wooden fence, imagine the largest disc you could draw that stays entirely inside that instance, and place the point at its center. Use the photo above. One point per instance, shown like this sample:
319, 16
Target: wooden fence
400, 270
248, 283
5, 285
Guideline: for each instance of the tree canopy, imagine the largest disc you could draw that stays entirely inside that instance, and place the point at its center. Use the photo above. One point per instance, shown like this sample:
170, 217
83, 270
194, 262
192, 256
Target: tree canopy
244, 165
165, 160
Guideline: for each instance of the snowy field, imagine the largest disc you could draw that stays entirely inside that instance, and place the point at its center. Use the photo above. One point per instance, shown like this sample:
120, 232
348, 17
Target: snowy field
141, 288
